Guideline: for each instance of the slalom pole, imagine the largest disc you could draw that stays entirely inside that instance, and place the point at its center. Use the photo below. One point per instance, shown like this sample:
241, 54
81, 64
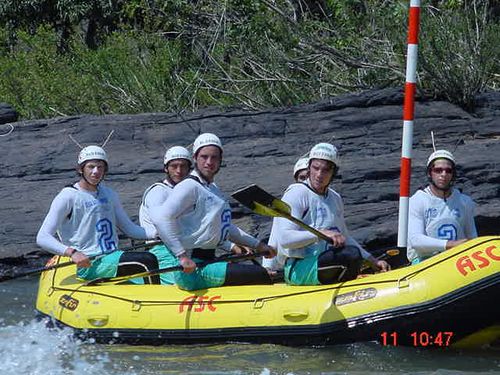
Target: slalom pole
408, 116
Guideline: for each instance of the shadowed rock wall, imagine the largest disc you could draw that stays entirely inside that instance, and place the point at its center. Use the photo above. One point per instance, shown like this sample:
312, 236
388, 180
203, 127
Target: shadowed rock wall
38, 159
7, 113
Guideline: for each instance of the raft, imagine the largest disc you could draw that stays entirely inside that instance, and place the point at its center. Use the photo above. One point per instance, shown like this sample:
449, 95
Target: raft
450, 299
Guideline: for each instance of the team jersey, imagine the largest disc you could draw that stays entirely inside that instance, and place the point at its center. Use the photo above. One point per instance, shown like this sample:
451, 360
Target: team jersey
87, 222
320, 211
154, 196
196, 215
433, 221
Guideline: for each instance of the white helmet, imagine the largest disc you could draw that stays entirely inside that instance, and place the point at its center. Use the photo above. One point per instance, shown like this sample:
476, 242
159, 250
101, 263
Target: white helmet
206, 139
325, 151
92, 153
440, 154
302, 163
176, 152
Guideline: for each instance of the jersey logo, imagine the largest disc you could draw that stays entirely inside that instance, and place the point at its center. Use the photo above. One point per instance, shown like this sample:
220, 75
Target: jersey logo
321, 214
431, 213
225, 224
447, 232
104, 229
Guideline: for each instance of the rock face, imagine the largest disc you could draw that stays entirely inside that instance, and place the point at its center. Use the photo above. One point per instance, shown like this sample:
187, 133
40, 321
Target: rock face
7, 114
38, 159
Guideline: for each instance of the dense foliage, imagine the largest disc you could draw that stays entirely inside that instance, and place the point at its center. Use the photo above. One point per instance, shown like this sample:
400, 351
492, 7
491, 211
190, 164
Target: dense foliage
64, 57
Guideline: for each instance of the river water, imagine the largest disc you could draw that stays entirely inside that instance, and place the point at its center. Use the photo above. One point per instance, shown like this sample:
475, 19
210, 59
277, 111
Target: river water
27, 347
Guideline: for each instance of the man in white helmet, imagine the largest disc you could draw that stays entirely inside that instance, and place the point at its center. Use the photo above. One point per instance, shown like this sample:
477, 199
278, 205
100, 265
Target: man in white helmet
300, 173
85, 216
307, 259
196, 218
440, 216
177, 164
300, 169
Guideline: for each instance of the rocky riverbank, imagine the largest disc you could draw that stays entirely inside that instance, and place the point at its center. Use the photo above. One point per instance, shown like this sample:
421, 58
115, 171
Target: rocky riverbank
38, 158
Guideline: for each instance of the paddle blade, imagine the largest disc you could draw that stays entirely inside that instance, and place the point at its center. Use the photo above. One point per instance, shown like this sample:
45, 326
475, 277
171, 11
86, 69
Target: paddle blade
392, 252
264, 210
257, 199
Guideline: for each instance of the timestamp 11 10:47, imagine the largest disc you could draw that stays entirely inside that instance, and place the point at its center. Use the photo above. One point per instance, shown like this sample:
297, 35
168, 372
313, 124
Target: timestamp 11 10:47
423, 338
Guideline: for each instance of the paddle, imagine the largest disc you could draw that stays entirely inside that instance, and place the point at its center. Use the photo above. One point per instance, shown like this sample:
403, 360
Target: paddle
263, 203
387, 254
223, 258
65, 264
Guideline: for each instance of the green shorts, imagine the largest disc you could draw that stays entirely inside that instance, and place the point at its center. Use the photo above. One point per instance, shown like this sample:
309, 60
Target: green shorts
302, 271
165, 260
210, 276
104, 266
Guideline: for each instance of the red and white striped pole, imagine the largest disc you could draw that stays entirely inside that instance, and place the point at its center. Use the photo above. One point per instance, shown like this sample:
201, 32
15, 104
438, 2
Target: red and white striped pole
408, 116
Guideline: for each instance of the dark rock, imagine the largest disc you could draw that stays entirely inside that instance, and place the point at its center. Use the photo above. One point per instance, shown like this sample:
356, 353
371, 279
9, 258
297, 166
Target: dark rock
7, 113
38, 158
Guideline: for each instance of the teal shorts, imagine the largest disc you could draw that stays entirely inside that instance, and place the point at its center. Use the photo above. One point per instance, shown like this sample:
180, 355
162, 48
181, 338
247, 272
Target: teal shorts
210, 276
302, 271
104, 266
165, 260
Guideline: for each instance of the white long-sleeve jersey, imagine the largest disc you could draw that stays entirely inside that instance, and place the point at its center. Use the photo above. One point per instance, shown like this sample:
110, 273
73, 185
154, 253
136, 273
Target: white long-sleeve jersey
87, 222
318, 211
196, 215
154, 196
433, 221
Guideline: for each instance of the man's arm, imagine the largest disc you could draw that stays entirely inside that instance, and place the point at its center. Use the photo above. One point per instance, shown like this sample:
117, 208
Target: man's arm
59, 210
423, 244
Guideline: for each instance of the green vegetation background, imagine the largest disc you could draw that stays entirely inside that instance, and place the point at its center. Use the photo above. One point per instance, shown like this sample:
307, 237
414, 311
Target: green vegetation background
67, 57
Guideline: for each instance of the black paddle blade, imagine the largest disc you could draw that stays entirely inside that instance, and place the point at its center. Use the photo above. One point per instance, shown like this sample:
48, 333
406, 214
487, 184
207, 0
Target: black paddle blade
252, 194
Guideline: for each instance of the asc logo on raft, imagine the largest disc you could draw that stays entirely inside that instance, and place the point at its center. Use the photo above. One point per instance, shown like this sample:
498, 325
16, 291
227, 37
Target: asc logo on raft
68, 302
202, 303
478, 259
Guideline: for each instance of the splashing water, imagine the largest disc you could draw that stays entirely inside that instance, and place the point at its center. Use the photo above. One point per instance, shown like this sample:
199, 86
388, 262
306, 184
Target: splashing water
32, 348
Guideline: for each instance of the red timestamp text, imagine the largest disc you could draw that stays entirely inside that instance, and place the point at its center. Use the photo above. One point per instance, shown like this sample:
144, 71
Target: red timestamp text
417, 338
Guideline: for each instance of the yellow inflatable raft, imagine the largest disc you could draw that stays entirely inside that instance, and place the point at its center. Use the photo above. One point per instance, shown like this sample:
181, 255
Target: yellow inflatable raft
450, 299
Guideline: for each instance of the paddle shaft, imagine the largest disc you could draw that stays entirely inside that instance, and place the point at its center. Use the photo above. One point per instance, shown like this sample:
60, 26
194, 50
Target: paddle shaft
303, 225
35, 271
387, 254
65, 264
224, 258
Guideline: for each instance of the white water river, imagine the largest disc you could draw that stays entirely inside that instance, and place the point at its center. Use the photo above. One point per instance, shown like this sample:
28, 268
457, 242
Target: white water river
28, 347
